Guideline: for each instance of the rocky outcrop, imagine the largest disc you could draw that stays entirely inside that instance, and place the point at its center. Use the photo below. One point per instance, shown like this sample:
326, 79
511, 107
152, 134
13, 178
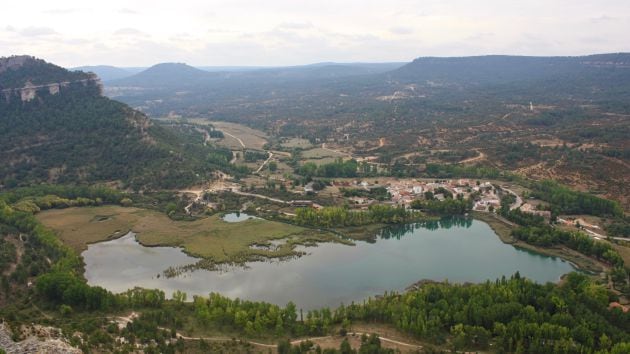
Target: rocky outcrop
13, 62
28, 78
47, 341
29, 92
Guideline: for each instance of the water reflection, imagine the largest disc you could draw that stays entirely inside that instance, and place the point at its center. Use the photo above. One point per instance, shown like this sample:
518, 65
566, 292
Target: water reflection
457, 249
399, 231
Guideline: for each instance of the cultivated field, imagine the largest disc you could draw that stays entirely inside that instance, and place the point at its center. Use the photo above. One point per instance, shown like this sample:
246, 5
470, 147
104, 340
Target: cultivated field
251, 138
297, 143
319, 153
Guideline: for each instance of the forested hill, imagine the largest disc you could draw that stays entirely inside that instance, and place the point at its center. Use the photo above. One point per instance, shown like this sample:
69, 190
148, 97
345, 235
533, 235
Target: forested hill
65, 131
501, 69
167, 75
20, 71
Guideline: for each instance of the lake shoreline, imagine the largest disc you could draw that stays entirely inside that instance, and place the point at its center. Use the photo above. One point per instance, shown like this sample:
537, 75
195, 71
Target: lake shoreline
329, 274
580, 261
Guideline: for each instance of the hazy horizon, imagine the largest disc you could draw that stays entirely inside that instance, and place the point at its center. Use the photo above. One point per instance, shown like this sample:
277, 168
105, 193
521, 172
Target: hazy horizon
276, 33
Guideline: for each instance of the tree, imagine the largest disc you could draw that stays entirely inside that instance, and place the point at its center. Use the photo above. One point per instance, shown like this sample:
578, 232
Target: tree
345, 347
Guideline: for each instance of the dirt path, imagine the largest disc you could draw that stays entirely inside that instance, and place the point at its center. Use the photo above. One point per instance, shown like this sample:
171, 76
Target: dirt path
19, 251
237, 191
318, 340
518, 200
481, 156
335, 151
238, 139
265, 162
122, 322
198, 193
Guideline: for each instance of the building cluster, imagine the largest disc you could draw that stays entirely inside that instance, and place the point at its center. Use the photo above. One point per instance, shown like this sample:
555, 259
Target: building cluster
403, 192
530, 209
489, 199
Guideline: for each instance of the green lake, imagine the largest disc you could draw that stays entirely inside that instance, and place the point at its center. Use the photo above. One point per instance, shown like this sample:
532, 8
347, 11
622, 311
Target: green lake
455, 249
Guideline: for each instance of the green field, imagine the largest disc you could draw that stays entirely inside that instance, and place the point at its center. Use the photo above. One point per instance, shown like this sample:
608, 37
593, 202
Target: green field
297, 143
318, 153
209, 237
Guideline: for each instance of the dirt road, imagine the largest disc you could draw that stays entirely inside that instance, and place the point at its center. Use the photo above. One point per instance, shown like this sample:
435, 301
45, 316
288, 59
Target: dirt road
481, 156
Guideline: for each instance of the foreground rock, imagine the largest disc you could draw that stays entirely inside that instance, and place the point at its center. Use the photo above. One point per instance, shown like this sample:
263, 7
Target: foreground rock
41, 340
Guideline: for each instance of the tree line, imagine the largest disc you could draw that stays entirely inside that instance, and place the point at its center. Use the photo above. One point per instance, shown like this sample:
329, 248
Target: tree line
342, 217
548, 236
563, 200
339, 168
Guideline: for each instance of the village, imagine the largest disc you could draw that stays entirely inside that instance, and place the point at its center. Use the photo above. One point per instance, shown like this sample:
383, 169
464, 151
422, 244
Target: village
402, 192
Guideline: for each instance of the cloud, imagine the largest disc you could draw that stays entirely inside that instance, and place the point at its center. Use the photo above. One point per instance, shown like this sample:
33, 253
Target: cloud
126, 11
480, 36
289, 32
401, 30
604, 19
128, 31
36, 31
295, 25
65, 11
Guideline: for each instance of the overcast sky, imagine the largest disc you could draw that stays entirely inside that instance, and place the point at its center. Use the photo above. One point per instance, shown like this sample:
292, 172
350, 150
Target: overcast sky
290, 32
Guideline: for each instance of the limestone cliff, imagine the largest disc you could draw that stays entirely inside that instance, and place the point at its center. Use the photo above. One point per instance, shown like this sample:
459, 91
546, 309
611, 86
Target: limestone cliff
21, 78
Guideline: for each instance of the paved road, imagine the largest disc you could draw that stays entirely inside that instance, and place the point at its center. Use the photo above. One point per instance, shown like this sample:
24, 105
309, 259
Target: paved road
518, 202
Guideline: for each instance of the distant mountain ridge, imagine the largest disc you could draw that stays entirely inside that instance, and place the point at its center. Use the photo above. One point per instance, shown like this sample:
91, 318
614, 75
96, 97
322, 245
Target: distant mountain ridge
495, 69
108, 72
182, 75
184, 90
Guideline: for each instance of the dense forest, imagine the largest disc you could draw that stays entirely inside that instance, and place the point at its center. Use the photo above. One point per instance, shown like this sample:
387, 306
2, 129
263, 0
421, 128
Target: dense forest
566, 201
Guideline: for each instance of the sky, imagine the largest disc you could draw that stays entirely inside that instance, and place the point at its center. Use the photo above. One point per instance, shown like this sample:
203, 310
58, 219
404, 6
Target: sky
293, 32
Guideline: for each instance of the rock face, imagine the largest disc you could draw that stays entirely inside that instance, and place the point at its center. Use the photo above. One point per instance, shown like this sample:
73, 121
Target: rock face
33, 344
13, 62
27, 90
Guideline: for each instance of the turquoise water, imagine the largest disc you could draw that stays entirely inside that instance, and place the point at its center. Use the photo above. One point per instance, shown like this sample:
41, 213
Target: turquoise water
460, 250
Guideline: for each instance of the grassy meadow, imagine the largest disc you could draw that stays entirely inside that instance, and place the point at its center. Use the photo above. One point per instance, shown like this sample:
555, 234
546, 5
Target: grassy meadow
208, 237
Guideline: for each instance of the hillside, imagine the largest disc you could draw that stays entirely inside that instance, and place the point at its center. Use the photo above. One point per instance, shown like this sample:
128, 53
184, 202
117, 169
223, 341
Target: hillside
63, 130
441, 110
